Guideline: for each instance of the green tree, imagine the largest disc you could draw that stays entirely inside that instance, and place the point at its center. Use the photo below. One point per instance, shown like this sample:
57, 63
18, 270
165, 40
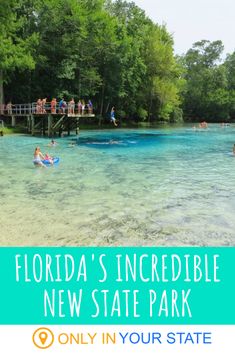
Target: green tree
230, 70
16, 44
163, 76
109, 51
206, 93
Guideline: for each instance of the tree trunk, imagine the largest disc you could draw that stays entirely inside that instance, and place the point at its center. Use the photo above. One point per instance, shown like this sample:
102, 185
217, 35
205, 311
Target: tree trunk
1, 89
102, 100
150, 107
107, 108
101, 103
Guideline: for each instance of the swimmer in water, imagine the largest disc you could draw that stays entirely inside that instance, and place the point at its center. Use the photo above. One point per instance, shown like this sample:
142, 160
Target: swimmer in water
38, 157
53, 143
113, 142
49, 158
203, 125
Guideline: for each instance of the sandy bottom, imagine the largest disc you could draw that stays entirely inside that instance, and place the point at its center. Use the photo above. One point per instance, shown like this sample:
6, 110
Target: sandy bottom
129, 188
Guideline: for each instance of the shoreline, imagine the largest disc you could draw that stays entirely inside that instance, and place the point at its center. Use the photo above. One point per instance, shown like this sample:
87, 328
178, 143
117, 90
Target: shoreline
94, 127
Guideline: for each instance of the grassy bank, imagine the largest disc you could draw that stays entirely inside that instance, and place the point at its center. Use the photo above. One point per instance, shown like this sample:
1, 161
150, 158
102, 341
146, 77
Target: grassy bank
11, 130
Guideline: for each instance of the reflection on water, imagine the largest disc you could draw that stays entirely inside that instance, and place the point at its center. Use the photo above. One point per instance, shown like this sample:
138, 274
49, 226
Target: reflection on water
121, 187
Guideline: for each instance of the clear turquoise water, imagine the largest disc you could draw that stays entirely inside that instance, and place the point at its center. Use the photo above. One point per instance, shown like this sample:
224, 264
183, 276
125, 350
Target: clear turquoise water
167, 187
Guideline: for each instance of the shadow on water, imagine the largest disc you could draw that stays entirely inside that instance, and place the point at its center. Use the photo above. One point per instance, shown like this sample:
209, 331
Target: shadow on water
117, 140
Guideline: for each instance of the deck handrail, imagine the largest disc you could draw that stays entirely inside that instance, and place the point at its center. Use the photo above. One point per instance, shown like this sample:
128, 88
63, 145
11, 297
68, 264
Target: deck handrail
47, 108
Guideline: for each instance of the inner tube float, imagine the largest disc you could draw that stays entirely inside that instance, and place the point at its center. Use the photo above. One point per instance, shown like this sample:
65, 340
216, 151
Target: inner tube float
55, 161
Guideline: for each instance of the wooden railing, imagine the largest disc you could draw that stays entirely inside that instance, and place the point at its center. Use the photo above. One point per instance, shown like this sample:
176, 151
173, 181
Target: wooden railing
48, 108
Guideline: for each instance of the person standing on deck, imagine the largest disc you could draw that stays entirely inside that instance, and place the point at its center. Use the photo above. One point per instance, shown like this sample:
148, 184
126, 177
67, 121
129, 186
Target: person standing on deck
44, 101
53, 106
39, 106
71, 107
79, 107
9, 108
112, 116
62, 105
83, 107
90, 107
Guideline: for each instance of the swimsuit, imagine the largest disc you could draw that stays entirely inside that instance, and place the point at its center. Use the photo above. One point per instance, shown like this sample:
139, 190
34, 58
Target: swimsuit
112, 118
37, 159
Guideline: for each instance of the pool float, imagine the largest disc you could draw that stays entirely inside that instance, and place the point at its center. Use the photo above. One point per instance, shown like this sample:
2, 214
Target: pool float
55, 161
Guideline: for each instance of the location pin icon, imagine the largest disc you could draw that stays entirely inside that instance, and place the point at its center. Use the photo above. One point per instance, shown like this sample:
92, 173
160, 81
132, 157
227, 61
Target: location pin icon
43, 337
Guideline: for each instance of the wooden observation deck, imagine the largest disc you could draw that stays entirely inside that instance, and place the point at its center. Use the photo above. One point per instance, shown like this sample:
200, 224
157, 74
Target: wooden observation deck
46, 120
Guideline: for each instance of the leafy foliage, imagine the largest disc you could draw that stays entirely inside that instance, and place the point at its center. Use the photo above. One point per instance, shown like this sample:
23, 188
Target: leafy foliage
17, 43
110, 52
210, 86
104, 50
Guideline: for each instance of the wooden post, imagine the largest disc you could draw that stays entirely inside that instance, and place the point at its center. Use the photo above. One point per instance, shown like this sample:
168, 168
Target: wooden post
43, 126
1, 88
77, 126
50, 122
32, 125
13, 121
29, 123
69, 126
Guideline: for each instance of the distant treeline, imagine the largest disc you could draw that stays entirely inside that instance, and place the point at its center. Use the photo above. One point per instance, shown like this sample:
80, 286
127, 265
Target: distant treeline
111, 52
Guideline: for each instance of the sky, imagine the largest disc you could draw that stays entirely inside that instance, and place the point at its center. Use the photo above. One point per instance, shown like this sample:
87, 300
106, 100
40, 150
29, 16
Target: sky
192, 20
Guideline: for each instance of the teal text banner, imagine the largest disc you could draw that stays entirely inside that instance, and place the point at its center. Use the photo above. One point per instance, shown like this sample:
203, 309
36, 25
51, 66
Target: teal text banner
103, 286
